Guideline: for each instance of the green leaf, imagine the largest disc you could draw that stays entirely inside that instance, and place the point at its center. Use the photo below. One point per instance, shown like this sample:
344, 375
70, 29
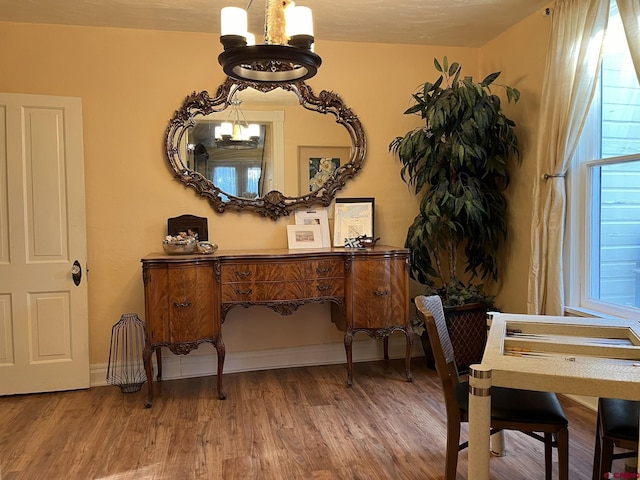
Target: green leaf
413, 109
513, 94
438, 83
437, 65
489, 79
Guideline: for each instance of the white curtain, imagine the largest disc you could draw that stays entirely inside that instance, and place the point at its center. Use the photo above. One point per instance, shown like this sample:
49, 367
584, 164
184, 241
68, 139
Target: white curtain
573, 62
630, 14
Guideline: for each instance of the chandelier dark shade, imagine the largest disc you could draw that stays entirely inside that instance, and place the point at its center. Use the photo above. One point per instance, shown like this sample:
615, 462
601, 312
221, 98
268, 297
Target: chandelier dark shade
236, 133
287, 53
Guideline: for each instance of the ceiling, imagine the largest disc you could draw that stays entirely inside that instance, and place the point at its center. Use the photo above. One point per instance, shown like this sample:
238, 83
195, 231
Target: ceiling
464, 23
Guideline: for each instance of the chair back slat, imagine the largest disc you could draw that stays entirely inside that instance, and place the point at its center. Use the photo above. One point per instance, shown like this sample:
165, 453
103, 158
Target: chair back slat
431, 313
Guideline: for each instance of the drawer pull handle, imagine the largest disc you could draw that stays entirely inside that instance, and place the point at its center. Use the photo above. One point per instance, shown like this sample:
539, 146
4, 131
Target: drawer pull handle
244, 274
381, 293
248, 291
323, 288
323, 270
181, 304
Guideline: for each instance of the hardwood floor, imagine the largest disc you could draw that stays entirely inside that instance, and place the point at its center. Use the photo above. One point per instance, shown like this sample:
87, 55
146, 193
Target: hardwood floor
299, 423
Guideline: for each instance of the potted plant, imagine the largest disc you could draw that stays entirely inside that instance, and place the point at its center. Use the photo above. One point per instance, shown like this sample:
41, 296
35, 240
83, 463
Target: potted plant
458, 161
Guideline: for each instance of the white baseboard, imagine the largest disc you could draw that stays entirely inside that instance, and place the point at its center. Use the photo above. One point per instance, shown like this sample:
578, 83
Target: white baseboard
589, 402
203, 361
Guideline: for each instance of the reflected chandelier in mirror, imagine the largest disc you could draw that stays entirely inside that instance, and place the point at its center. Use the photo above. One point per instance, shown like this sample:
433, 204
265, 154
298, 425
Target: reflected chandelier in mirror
273, 204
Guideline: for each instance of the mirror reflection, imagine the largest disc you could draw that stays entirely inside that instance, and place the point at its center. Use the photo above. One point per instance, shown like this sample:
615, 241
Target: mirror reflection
265, 148
236, 156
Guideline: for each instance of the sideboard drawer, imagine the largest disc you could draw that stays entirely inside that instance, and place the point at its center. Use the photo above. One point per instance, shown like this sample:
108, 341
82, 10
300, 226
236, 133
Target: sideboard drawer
325, 269
240, 292
282, 271
326, 288
261, 291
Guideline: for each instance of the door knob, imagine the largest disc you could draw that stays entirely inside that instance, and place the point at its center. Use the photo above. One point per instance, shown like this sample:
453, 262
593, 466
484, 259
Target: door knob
76, 272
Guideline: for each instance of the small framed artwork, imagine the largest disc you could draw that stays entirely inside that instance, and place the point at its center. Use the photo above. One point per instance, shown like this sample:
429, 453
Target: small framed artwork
304, 236
317, 164
352, 218
315, 216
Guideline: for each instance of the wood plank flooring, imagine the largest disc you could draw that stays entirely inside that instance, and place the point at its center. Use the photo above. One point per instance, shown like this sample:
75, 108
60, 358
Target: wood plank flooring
298, 423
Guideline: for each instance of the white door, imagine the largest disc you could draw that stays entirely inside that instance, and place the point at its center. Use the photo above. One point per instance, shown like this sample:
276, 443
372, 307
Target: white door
44, 341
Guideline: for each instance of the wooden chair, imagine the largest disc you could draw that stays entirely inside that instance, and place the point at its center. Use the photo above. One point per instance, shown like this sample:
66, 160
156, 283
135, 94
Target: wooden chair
617, 426
511, 409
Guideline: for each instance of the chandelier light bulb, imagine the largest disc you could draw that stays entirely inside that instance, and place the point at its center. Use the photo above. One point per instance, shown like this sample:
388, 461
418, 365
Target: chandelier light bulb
226, 129
233, 21
253, 130
299, 21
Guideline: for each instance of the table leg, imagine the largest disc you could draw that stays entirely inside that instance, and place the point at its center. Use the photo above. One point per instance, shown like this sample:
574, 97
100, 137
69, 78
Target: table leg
146, 360
479, 421
498, 448
221, 352
348, 345
408, 333
159, 363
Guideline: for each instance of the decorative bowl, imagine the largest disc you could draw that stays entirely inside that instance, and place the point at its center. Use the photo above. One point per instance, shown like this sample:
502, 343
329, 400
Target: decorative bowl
207, 248
180, 247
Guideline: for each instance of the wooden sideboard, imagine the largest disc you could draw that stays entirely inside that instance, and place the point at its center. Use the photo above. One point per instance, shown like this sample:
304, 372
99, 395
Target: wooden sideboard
187, 297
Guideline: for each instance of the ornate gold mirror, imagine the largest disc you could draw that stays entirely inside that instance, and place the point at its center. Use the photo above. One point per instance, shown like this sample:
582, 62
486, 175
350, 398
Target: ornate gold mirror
269, 172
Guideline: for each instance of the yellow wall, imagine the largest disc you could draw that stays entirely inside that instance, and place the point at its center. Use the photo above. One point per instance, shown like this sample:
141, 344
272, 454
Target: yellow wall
520, 53
131, 82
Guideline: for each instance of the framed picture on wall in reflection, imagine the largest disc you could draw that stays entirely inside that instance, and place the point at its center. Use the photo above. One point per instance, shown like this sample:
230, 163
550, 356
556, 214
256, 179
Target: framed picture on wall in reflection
316, 164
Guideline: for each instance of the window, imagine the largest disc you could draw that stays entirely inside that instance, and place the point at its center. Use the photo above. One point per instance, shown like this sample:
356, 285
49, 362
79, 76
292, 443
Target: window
225, 179
604, 197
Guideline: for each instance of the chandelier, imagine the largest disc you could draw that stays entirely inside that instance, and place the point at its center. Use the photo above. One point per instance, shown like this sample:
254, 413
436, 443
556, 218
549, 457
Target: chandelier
236, 133
287, 53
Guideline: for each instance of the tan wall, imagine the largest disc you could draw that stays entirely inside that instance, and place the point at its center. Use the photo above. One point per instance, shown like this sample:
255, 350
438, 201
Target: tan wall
131, 81
520, 53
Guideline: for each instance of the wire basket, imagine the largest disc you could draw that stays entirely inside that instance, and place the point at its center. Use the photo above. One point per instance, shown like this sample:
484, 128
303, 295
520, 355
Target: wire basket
126, 366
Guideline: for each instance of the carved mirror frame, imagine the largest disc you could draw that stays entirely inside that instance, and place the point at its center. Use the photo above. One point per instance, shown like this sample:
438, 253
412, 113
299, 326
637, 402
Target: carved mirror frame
273, 204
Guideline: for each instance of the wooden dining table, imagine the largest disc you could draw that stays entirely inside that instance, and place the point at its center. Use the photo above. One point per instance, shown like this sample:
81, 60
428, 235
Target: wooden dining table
571, 355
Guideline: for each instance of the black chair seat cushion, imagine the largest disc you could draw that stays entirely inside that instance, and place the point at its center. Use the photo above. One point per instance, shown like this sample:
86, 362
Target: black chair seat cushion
519, 406
620, 418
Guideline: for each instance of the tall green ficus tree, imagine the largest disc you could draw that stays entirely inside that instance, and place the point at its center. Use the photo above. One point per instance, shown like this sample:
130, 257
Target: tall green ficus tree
458, 161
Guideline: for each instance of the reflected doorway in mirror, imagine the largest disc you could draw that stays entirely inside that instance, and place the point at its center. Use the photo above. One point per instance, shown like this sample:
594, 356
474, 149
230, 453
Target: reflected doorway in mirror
238, 172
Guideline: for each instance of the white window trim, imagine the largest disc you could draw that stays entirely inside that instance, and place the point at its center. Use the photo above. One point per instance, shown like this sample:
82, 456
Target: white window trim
577, 245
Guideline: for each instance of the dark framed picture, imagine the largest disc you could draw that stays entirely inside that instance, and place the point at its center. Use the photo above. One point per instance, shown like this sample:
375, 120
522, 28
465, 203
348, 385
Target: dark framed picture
353, 217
